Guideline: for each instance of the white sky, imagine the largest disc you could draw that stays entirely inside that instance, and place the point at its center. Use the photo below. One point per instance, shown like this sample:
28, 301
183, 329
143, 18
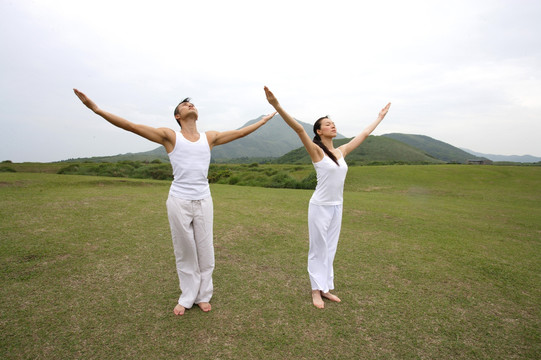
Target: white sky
467, 72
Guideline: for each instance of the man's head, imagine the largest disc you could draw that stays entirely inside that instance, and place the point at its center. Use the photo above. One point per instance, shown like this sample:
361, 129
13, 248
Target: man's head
183, 107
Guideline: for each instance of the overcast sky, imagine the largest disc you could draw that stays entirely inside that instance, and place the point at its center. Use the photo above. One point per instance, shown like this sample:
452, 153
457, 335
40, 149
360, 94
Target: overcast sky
464, 72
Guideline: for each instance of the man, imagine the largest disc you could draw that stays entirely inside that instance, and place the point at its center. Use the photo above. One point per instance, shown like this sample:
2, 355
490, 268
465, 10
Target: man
189, 204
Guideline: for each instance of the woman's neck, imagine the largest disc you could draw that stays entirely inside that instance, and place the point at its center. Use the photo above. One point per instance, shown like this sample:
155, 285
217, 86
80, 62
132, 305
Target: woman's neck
328, 143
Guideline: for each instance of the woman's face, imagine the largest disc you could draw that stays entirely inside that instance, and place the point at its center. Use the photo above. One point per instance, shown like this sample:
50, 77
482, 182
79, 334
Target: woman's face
327, 128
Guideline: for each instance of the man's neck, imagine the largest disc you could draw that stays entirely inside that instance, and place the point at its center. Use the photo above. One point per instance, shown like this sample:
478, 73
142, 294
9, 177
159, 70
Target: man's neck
189, 127
189, 131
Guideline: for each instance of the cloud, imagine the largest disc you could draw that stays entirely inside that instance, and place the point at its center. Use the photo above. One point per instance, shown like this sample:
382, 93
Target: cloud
467, 73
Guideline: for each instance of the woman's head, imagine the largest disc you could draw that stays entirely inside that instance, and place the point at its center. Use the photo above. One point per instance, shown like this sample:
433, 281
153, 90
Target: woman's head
324, 126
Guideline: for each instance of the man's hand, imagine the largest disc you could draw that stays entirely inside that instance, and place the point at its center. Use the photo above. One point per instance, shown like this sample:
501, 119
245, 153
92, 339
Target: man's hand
85, 100
268, 117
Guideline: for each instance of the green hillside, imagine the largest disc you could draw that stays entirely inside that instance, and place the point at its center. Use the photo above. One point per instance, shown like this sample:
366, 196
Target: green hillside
145, 156
375, 149
435, 148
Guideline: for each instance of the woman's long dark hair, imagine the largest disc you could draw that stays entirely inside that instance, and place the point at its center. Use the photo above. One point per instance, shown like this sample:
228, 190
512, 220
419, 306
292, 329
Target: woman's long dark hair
317, 140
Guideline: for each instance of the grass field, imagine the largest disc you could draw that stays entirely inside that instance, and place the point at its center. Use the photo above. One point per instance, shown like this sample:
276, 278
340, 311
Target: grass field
434, 262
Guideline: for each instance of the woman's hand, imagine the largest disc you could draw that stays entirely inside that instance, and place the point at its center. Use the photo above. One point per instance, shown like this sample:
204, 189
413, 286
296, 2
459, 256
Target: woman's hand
271, 98
383, 111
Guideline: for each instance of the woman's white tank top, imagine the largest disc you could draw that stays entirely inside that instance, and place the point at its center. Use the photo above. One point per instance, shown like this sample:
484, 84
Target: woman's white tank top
190, 162
330, 181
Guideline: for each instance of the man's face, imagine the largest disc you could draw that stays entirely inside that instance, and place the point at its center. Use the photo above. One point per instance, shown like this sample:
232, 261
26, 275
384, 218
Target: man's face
185, 109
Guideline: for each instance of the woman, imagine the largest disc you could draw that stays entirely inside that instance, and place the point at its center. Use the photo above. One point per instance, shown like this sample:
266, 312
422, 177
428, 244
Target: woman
325, 208
189, 204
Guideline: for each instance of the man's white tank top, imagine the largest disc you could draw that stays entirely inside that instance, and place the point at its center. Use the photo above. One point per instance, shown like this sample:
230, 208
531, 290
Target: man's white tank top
190, 162
330, 181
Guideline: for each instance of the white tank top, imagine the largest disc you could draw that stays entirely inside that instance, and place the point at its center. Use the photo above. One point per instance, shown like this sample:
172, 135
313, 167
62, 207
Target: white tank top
330, 181
190, 162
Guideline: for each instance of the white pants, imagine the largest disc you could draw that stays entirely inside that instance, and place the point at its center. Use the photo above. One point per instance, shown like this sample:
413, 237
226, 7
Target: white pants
191, 224
324, 222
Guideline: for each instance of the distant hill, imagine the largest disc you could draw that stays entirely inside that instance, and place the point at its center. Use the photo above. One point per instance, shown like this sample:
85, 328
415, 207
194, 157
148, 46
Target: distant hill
274, 139
146, 156
435, 148
276, 142
373, 149
510, 158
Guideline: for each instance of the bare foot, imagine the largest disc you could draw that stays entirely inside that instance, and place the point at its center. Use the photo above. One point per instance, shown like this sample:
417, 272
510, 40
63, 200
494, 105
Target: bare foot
331, 297
179, 310
317, 300
204, 306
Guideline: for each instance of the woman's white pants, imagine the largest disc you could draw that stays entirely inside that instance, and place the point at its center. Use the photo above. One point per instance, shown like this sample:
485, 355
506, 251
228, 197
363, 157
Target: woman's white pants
191, 224
324, 223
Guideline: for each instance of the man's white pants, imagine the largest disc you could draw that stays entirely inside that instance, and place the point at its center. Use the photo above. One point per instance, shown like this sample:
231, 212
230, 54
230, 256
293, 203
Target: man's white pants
324, 223
191, 224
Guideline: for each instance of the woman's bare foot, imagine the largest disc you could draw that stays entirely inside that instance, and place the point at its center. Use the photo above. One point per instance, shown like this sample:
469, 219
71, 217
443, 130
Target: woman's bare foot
204, 306
331, 297
317, 300
179, 310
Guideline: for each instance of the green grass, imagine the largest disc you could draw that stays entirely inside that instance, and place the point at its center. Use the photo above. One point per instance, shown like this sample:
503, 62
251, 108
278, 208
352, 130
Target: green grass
434, 262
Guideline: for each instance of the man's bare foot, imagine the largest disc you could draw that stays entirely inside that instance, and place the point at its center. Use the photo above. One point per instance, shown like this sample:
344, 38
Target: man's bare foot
179, 310
204, 306
317, 300
331, 297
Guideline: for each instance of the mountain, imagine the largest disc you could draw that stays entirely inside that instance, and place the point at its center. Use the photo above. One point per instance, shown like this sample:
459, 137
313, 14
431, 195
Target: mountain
510, 158
373, 149
435, 148
148, 156
278, 143
274, 139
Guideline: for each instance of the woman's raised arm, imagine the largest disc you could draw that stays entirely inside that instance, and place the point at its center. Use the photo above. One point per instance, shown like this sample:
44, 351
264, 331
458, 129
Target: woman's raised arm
313, 150
357, 140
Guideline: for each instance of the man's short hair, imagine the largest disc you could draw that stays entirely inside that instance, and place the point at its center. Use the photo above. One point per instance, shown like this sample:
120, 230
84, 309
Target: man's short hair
182, 102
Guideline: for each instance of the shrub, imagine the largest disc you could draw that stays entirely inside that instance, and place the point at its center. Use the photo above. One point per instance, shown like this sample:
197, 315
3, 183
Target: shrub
218, 173
154, 171
309, 182
7, 169
70, 169
282, 180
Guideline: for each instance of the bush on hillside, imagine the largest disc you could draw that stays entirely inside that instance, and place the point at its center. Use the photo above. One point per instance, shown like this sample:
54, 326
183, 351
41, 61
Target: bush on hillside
7, 169
244, 174
154, 171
